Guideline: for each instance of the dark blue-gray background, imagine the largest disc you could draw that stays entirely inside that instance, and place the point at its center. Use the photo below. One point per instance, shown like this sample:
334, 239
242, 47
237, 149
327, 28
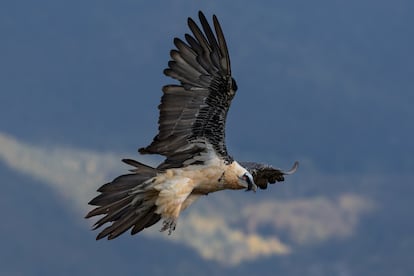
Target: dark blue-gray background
328, 83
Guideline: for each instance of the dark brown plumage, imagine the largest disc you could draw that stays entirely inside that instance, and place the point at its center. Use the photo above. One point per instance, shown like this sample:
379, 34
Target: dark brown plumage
196, 109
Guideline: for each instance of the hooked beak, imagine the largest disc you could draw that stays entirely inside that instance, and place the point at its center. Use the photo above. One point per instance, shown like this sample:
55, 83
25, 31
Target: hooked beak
251, 186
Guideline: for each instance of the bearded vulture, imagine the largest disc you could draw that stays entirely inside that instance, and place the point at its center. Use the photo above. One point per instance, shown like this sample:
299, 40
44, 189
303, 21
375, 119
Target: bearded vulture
191, 137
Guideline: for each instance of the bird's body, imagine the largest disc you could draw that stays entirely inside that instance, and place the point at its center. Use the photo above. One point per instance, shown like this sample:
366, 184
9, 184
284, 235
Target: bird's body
176, 185
191, 137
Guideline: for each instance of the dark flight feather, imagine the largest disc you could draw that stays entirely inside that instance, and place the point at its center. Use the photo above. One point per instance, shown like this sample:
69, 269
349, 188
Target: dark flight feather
126, 202
193, 113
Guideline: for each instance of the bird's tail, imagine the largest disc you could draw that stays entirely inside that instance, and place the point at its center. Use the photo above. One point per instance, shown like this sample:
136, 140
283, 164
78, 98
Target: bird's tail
128, 201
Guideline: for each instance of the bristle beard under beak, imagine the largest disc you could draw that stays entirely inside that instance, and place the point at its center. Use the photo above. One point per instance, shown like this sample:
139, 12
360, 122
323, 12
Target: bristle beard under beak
251, 186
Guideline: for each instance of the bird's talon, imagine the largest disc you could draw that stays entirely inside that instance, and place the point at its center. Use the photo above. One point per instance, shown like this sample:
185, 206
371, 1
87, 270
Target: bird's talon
168, 224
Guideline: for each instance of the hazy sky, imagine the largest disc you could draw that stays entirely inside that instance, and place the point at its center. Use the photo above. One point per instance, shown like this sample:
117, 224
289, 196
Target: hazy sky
328, 83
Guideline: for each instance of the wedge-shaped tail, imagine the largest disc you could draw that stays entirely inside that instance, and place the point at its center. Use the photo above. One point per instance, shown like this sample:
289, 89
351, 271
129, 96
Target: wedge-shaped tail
126, 202
264, 174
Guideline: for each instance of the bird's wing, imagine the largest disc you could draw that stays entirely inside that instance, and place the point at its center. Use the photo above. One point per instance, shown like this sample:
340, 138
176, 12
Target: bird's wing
264, 174
193, 113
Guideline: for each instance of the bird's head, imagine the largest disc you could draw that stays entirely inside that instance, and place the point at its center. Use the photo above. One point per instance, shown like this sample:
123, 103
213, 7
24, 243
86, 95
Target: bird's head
244, 177
248, 181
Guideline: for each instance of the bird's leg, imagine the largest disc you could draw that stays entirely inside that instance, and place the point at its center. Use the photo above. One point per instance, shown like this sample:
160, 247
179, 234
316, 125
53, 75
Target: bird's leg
169, 224
173, 192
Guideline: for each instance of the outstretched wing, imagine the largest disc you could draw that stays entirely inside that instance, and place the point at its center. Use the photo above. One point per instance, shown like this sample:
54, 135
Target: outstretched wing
264, 174
193, 113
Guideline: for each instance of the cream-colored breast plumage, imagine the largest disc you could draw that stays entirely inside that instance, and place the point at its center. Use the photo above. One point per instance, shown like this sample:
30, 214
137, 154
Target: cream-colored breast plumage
176, 185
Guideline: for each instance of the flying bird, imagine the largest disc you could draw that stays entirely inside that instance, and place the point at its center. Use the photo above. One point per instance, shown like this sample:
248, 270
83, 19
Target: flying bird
191, 137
